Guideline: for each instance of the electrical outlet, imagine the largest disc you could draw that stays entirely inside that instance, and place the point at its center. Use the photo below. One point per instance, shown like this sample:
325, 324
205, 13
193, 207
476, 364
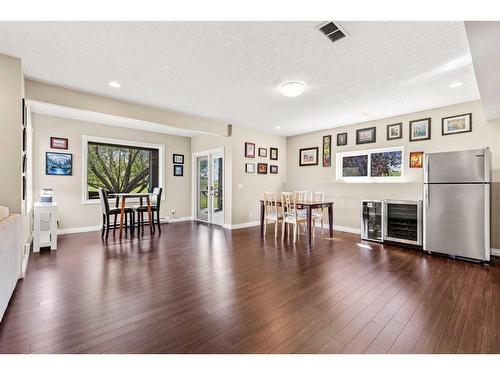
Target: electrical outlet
172, 213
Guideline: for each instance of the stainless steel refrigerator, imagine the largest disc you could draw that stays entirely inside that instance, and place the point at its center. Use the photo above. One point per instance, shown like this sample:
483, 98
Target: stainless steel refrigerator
456, 207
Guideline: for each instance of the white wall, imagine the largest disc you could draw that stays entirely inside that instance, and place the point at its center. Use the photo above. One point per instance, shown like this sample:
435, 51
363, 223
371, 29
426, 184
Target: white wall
68, 189
243, 204
347, 196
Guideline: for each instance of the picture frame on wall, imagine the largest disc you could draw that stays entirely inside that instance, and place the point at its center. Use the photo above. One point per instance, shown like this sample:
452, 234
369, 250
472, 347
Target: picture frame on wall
273, 169
366, 135
262, 152
178, 159
249, 150
456, 124
178, 170
327, 151
273, 153
308, 156
416, 159
420, 130
341, 139
24, 109
262, 168
59, 143
24, 163
58, 164
24, 139
249, 168
395, 131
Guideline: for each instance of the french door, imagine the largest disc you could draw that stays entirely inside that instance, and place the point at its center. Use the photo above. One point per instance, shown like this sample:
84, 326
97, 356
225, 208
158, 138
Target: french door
209, 186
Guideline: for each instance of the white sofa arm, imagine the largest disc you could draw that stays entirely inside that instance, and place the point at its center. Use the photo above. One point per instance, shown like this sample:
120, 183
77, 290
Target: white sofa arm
10, 258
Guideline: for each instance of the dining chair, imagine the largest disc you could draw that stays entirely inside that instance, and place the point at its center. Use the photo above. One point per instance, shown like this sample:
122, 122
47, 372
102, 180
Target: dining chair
301, 196
290, 214
318, 213
272, 213
107, 213
155, 210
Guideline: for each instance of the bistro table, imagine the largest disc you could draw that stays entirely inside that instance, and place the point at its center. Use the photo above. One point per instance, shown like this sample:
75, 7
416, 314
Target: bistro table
308, 206
124, 197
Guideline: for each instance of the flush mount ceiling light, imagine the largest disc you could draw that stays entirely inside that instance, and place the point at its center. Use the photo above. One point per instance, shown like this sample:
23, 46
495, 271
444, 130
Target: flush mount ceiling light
456, 84
292, 88
277, 127
114, 84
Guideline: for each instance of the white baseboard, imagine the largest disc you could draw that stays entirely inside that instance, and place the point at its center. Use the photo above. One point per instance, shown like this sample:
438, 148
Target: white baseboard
339, 228
495, 252
78, 229
175, 219
242, 225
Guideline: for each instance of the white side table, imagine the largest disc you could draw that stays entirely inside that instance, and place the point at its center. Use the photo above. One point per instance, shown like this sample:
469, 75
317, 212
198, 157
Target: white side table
44, 226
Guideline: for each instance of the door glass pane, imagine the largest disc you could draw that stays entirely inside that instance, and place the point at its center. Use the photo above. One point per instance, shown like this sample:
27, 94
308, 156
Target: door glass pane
217, 190
202, 169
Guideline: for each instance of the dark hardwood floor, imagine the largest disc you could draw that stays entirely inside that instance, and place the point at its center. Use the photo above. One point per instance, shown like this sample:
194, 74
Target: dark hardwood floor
200, 289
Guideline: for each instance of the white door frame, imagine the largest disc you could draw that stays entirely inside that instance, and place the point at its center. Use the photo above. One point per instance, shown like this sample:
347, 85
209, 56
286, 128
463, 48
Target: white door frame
194, 182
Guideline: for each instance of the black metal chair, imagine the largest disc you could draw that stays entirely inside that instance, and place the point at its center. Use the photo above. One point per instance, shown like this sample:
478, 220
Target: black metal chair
155, 211
107, 213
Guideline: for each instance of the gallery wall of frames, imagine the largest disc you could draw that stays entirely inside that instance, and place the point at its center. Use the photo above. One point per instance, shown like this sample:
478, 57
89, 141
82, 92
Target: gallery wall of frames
263, 154
387, 163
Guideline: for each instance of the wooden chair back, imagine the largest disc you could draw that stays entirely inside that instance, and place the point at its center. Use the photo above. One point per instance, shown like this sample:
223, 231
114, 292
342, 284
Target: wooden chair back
270, 207
318, 196
156, 199
103, 198
289, 203
300, 195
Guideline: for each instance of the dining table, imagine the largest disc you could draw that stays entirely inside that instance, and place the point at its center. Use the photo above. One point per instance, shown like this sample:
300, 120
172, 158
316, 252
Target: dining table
308, 205
124, 197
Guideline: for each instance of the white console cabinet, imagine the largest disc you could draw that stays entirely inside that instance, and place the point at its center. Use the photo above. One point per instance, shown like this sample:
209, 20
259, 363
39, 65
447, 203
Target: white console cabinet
45, 226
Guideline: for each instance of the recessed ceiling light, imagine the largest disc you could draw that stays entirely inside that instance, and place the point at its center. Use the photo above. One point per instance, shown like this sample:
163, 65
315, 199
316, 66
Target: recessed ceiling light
456, 84
277, 127
292, 88
114, 84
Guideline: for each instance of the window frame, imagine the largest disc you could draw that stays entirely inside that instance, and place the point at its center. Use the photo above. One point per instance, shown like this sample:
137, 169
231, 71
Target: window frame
368, 179
120, 142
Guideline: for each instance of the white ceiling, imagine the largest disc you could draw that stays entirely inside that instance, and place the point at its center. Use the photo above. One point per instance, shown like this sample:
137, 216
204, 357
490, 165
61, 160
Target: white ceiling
230, 70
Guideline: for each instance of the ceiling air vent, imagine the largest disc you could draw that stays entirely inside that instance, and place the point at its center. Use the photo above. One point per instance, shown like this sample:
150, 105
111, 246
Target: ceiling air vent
332, 31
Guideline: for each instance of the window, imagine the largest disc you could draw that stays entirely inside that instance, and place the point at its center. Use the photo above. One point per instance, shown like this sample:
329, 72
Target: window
370, 165
120, 166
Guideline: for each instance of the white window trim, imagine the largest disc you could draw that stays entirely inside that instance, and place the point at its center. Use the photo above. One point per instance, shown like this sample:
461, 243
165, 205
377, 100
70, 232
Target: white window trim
121, 142
368, 179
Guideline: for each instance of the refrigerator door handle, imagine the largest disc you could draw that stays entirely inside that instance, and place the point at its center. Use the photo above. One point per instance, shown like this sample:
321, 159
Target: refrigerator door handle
426, 196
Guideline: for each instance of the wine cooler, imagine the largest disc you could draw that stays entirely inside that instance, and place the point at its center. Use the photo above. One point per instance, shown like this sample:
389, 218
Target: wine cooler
403, 221
372, 219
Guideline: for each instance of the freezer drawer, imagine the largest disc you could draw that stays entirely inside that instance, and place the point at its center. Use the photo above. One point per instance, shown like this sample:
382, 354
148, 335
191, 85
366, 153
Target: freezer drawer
456, 219
457, 166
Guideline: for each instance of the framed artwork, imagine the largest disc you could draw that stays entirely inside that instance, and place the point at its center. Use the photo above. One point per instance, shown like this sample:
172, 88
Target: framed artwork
58, 164
341, 139
394, 131
420, 130
24, 163
261, 168
178, 170
273, 153
60, 143
457, 124
366, 135
327, 151
249, 168
355, 166
386, 163
249, 150
273, 169
308, 156
262, 152
24, 188
178, 159
416, 159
